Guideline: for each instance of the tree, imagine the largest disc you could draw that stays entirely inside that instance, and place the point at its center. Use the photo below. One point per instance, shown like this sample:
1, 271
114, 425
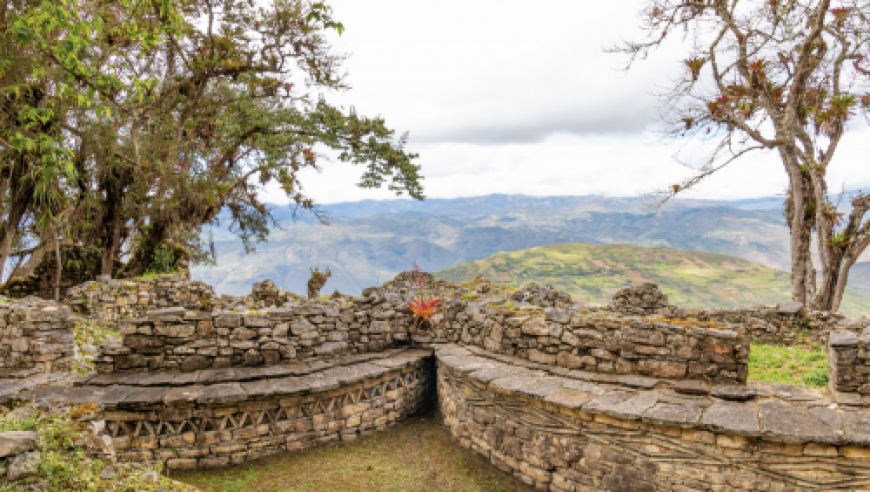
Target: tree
216, 107
45, 71
783, 75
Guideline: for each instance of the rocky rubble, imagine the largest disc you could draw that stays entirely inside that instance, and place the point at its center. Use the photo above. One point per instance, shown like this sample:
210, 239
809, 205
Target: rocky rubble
639, 300
547, 296
266, 294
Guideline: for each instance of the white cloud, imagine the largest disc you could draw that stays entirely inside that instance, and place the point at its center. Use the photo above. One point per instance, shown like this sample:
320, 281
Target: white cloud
502, 96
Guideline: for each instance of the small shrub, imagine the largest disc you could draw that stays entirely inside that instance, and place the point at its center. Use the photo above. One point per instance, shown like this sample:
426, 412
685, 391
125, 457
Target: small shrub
817, 378
163, 261
64, 465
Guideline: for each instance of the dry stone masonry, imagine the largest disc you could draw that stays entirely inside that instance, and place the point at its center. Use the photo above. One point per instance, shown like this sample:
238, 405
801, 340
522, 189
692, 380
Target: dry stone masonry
599, 342
563, 433
640, 300
35, 335
178, 339
637, 396
849, 367
785, 325
111, 301
220, 417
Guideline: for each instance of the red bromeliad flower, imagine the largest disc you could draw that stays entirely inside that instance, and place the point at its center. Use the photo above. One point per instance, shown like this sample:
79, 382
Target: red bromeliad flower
423, 308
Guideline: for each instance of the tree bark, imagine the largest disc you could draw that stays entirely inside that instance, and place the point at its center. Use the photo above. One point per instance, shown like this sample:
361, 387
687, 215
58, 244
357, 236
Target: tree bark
9, 230
802, 273
143, 254
58, 272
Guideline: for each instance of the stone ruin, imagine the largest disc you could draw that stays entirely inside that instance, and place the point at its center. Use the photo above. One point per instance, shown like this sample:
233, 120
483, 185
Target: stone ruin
547, 296
36, 336
266, 293
563, 397
640, 300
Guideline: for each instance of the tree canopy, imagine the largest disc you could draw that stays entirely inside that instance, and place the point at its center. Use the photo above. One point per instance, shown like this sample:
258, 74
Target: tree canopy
783, 75
129, 125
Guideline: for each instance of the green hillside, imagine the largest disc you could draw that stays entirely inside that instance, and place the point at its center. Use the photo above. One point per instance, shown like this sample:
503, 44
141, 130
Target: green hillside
594, 272
859, 276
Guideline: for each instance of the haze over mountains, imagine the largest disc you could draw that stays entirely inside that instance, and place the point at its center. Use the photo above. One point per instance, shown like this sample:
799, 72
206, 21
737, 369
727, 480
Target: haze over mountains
370, 241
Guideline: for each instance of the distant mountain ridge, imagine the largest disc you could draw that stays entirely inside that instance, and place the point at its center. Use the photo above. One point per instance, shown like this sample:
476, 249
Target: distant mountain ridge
371, 241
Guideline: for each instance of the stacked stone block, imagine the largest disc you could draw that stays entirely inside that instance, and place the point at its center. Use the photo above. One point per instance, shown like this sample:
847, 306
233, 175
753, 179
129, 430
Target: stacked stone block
639, 300
786, 325
849, 362
561, 434
178, 339
36, 335
600, 342
216, 418
110, 301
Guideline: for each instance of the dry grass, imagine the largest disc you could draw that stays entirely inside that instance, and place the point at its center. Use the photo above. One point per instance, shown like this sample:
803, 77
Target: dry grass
416, 455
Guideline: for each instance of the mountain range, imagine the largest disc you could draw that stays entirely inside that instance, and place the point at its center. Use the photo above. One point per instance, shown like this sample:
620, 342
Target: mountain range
369, 242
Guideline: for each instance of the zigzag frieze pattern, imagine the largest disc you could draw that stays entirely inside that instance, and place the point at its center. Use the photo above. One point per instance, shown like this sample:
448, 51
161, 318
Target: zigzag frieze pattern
163, 428
200, 434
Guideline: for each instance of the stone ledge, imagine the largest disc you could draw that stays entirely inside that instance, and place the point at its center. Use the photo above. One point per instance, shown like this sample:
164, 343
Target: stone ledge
232, 374
585, 436
779, 413
224, 385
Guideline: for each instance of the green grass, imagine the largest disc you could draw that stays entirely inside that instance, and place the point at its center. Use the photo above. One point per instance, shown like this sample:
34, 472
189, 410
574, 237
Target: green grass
416, 455
800, 366
153, 275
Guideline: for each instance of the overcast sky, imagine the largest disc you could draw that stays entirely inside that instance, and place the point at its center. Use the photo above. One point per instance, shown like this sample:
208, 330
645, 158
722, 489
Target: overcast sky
520, 97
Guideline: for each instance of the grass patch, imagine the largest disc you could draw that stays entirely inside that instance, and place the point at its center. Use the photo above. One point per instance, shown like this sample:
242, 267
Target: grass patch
154, 275
801, 366
416, 455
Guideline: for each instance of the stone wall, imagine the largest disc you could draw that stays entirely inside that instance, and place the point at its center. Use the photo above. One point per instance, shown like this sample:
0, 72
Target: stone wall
598, 341
178, 339
215, 418
849, 363
562, 434
110, 301
36, 335
785, 325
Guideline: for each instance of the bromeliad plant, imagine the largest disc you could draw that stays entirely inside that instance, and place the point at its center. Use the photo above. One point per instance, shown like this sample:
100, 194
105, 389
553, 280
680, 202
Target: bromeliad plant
423, 306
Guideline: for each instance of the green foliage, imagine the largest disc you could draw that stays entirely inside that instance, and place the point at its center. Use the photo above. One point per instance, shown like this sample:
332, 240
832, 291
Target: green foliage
164, 261
818, 378
65, 466
143, 120
90, 333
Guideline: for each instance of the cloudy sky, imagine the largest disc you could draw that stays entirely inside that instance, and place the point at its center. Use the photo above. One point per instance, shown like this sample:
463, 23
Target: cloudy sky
520, 97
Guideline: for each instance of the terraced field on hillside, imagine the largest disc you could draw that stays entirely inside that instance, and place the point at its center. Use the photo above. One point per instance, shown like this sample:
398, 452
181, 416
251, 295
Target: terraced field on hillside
594, 272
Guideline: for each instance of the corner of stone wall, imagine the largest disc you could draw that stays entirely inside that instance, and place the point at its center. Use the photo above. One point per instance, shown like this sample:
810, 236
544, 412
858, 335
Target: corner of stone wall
36, 335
